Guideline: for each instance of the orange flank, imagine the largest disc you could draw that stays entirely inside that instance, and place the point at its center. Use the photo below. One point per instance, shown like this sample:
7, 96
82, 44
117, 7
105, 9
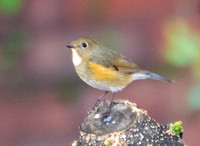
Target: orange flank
101, 73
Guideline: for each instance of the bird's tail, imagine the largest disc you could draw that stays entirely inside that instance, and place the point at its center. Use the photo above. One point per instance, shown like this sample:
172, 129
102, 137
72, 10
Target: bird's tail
157, 77
146, 75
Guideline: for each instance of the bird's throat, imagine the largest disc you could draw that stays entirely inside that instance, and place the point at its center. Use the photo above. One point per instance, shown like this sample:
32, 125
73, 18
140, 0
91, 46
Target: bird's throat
76, 57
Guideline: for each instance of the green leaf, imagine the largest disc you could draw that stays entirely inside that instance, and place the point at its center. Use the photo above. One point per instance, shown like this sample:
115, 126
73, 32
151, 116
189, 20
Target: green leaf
176, 128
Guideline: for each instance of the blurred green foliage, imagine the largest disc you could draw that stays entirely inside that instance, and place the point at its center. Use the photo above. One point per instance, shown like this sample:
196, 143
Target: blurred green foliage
12, 48
68, 89
183, 45
194, 97
10, 7
183, 50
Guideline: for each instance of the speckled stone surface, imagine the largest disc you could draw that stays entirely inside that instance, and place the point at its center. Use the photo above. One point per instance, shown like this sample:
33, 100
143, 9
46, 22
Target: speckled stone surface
126, 125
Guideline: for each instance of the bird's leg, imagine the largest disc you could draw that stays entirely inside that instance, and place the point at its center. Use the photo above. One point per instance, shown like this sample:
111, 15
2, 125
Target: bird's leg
99, 99
107, 113
97, 102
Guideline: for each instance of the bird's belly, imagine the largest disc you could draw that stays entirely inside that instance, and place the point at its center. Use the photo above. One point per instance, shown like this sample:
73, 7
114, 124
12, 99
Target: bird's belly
107, 86
104, 78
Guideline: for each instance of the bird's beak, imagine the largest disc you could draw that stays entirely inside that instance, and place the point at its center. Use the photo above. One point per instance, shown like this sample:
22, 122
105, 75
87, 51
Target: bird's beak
70, 46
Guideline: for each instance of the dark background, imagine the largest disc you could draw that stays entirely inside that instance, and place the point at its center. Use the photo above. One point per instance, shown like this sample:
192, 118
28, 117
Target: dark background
43, 101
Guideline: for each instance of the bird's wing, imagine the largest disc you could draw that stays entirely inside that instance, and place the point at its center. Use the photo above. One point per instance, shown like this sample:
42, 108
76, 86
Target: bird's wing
125, 66
115, 61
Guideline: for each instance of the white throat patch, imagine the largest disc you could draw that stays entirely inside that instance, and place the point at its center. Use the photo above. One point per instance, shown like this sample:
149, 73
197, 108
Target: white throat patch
75, 57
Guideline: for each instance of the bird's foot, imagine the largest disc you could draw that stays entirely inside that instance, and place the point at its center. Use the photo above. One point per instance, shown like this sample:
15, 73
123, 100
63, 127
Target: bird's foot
108, 111
94, 106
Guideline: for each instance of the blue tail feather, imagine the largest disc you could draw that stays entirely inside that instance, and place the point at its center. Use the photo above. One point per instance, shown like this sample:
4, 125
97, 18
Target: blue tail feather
155, 76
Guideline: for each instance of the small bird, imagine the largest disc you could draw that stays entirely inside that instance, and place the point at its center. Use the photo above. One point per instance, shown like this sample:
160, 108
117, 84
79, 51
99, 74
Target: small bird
105, 69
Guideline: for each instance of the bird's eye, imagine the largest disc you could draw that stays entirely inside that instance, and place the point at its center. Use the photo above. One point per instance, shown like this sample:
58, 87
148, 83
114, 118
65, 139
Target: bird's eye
84, 45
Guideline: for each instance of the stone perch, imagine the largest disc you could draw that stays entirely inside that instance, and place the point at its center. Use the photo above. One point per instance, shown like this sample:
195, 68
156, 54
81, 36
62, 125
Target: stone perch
126, 125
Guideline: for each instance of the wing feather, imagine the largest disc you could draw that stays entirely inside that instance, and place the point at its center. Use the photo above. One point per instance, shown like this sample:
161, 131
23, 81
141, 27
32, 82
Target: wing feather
114, 60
